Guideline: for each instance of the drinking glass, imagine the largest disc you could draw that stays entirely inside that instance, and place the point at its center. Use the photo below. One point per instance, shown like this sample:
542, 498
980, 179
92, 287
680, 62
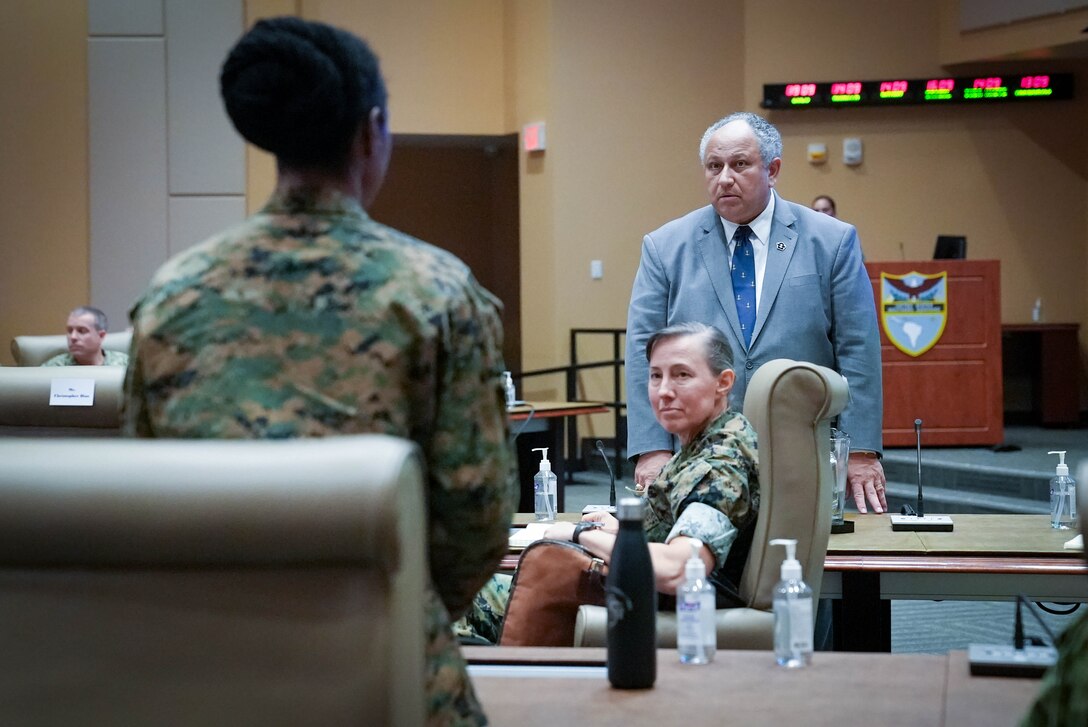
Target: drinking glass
840, 457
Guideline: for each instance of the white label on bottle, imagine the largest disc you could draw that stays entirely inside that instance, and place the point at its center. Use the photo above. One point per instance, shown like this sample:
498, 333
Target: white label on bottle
800, 625
689, 619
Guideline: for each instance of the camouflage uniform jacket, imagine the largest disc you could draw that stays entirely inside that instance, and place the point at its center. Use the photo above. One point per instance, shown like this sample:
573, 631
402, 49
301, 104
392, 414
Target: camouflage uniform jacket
311, 319
709, 489
111, 358
1063, 696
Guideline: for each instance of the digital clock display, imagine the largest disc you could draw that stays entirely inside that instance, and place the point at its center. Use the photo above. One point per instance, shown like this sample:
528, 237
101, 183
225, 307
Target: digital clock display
919, 91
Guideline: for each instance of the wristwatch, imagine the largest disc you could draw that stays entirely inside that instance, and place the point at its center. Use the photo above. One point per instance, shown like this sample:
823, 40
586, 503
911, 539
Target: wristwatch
581, 527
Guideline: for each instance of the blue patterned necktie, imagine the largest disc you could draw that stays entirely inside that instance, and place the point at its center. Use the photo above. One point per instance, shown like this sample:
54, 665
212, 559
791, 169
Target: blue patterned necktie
743, 272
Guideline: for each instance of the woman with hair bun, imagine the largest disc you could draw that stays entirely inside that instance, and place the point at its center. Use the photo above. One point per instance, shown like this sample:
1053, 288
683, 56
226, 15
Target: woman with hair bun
311, 319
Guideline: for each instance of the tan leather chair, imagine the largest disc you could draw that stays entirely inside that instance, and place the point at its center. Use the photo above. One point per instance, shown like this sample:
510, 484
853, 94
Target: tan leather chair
36, 350
158, 582
25, 409
790, 404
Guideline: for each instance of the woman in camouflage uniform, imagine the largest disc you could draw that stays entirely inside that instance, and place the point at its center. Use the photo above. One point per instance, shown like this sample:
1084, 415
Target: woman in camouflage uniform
311, 319
708, 490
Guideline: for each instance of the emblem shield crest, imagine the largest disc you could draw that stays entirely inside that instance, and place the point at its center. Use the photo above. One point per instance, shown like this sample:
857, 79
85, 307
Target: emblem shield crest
914, 310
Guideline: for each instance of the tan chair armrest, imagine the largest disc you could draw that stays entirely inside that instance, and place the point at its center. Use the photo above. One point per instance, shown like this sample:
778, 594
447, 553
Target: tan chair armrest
738, 628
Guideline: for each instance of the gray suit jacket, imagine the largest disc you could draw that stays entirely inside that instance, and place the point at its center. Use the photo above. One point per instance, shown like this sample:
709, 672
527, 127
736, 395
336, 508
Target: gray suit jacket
816, 304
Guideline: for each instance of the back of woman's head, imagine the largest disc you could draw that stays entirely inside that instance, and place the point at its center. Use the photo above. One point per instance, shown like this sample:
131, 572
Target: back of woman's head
299, 89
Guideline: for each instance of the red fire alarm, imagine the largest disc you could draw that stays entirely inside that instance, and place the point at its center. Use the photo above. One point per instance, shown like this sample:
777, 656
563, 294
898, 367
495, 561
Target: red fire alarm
532, 136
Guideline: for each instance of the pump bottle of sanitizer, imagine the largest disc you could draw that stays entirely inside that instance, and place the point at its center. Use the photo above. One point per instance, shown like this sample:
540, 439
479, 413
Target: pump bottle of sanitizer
1063, 496
696, 631
545, 489
792, 612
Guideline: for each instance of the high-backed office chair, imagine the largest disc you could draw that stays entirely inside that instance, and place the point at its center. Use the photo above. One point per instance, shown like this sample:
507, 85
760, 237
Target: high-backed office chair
203, 582
36, 350
790, 404
25, 410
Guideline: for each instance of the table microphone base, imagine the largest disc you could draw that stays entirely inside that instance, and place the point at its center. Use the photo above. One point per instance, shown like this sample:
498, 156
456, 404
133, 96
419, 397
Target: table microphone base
847, 526
1000, 660
924, 523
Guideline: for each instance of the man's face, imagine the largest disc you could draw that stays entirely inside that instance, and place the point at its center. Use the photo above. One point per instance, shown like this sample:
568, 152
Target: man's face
823, 204
84, 339
737, 181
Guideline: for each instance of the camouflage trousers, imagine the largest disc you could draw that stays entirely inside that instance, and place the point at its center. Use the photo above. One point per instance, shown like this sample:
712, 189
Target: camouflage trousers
482, 623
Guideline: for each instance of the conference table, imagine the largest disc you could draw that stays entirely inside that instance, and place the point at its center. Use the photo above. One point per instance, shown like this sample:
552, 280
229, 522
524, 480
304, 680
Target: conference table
985, 558
555, 686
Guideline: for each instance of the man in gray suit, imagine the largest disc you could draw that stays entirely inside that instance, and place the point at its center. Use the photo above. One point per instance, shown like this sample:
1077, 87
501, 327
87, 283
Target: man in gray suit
797, 289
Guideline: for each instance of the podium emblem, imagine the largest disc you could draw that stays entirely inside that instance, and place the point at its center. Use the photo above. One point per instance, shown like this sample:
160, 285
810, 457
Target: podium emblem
914, 310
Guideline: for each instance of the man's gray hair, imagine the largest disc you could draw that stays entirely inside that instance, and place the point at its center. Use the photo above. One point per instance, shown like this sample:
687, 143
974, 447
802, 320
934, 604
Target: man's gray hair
100, 322
719, 356
770, 141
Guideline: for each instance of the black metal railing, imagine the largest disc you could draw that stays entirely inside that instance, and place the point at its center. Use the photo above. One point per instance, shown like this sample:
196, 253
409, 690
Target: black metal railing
570, 372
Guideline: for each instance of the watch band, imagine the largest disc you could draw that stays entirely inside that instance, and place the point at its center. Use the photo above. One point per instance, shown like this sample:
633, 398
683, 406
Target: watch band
580, 528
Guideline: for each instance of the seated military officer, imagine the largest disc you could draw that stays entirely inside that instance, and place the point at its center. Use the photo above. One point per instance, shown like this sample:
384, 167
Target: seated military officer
86, 331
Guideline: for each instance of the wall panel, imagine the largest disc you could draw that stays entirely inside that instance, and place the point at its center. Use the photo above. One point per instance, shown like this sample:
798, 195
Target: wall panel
194, 219
127, 168
206, 155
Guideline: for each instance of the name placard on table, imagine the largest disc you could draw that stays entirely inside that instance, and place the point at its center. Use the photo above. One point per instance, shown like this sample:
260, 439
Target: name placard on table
71, 392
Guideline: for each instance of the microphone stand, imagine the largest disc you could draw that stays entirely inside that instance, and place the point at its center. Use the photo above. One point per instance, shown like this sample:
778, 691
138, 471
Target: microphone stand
917, 520
918, 439
611, 506
611, 476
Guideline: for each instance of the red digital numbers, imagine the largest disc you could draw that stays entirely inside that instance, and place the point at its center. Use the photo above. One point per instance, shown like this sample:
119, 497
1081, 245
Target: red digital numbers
800, 89
940, 84
1035, 82
893, 86
991, 82
846, 89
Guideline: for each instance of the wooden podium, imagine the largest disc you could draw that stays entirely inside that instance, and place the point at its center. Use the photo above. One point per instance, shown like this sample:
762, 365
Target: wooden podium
954, 386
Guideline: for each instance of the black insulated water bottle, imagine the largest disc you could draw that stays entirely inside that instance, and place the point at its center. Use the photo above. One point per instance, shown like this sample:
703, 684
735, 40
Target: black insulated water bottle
632, 603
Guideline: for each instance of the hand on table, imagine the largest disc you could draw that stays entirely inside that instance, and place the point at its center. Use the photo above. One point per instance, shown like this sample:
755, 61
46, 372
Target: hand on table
865, 482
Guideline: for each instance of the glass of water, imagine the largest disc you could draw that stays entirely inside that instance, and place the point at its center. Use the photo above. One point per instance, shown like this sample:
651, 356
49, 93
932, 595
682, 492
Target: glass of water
840, 457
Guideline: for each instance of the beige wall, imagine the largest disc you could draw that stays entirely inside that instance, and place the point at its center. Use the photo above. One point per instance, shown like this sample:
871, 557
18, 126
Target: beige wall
1043, 37
44, 269
626, 88
1011, 179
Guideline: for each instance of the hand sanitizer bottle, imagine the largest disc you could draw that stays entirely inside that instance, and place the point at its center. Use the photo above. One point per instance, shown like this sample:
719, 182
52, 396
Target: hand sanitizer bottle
1063, 496
508, 387
544, 489
792, 612
696, 630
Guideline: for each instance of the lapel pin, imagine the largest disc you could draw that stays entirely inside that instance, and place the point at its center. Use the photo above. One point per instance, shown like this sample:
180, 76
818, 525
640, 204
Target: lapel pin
781, 246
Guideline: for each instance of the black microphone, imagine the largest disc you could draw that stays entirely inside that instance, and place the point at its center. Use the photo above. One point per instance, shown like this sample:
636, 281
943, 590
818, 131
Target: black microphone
611, 475
916, 519
918, 438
